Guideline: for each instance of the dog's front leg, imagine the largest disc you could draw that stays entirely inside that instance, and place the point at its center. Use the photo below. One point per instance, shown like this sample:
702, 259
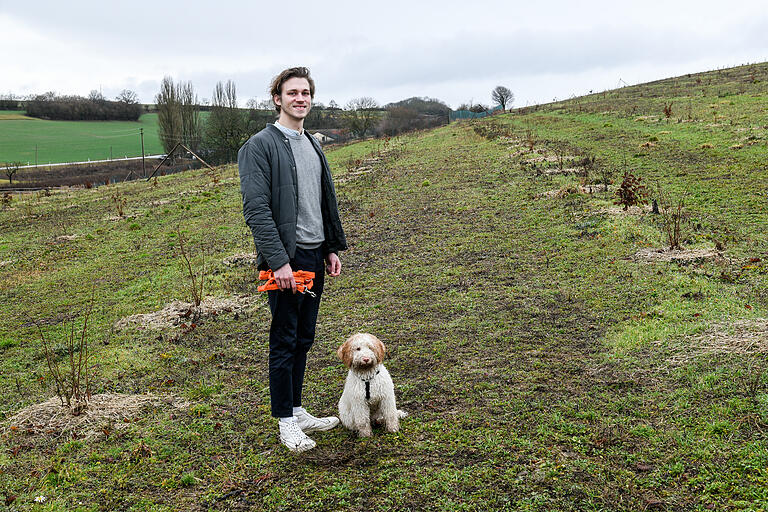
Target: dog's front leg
391, 414
363, 420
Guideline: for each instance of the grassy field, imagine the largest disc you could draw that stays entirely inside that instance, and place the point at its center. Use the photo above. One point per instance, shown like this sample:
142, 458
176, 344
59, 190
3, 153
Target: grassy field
73, 141
546, 365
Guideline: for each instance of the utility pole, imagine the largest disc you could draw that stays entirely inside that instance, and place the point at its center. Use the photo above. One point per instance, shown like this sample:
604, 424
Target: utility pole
143, 169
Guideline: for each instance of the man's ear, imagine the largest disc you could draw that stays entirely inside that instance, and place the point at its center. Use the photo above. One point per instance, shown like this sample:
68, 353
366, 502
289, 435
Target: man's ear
276, 100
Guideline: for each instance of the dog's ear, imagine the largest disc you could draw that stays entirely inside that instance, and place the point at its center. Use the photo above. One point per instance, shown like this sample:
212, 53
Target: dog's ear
378, 348
345, 352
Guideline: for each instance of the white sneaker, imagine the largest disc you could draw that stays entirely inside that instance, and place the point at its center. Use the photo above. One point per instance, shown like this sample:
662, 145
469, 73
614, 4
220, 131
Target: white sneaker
308, 423
293, 437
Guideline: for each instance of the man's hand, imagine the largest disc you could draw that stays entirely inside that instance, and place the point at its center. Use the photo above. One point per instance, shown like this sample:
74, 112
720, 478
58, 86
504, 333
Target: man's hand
284, 278
332, 264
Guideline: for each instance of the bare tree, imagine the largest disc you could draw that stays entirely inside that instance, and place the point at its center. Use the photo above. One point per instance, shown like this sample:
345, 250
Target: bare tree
361, 115
128, 105
96, 96
11, 168
168, 114
191, 128
267, 104
502, 96
127, 96
226, 128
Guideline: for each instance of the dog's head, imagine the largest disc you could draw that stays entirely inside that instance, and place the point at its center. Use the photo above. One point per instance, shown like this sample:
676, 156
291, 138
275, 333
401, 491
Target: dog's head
362, 351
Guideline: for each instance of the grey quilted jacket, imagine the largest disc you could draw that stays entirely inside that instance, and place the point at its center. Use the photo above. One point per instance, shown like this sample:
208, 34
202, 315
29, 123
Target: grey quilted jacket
270, 198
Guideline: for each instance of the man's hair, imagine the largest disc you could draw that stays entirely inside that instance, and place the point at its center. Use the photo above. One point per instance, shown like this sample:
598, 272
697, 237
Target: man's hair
276, 88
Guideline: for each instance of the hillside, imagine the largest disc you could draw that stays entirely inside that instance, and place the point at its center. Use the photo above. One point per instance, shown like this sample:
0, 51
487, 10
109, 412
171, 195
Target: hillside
551, 353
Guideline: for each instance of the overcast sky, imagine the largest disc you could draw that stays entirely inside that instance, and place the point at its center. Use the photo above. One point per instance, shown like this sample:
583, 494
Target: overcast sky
391, 50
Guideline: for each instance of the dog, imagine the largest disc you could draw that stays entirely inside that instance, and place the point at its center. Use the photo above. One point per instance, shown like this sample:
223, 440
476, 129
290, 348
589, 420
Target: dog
369, 393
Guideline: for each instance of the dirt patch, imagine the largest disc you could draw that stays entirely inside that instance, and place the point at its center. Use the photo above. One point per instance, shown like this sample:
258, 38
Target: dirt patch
677, 255
744, 337
242, 259
105, 413
182, 314
571, 189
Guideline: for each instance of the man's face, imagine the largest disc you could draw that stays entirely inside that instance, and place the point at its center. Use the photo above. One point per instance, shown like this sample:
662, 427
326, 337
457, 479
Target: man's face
295, 98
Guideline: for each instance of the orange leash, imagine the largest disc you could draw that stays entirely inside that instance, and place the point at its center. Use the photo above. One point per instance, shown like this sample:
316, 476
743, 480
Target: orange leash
303, 278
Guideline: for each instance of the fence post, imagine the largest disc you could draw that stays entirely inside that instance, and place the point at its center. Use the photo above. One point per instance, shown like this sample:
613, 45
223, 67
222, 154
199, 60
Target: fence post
143, 168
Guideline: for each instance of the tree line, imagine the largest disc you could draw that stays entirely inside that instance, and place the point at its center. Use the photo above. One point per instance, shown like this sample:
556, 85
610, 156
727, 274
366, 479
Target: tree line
218, 136
95, 107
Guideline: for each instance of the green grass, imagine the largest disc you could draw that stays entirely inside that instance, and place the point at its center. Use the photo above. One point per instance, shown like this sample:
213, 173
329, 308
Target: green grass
74, 141
543, 366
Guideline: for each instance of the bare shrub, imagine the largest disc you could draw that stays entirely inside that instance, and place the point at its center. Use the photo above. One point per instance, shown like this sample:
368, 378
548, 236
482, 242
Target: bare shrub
73, 380
586, 167
119, 201
606, 176
530, 140
196, 279
668, 110
213, 175
673, 216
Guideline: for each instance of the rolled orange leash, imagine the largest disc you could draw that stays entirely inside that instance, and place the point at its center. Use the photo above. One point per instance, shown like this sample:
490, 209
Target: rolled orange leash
303, 279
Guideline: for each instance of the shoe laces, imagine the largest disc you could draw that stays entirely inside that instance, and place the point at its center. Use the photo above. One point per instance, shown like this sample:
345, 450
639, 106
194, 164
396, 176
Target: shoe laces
295, 430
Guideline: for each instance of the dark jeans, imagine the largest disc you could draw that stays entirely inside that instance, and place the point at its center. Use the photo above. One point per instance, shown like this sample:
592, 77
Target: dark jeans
292, 334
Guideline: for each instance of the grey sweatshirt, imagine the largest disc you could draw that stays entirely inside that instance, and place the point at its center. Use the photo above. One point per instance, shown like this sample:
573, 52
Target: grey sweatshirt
309, 222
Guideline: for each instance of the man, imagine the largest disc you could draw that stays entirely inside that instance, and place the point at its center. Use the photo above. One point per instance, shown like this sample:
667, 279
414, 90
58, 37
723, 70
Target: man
289, 203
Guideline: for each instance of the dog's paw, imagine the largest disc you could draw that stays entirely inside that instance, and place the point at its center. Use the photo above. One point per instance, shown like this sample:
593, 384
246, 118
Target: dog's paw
401, 413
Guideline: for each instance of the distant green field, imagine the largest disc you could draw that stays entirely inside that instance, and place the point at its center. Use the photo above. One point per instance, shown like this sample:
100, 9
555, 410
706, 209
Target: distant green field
73, 141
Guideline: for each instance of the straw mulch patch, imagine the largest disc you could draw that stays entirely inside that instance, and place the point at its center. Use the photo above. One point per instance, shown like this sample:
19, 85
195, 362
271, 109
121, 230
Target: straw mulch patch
619, 211
243, 259
684, 256
571, 189
747, 337
106, 412
184, 314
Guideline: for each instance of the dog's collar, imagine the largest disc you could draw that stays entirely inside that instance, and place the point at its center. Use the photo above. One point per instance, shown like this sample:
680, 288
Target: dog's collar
368, 384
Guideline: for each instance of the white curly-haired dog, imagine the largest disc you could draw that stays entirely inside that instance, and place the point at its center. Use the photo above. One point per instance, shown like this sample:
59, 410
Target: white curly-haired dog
369, 394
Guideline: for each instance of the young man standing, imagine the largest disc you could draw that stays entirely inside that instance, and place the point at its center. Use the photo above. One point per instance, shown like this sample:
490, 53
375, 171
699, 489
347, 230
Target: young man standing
289, 203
